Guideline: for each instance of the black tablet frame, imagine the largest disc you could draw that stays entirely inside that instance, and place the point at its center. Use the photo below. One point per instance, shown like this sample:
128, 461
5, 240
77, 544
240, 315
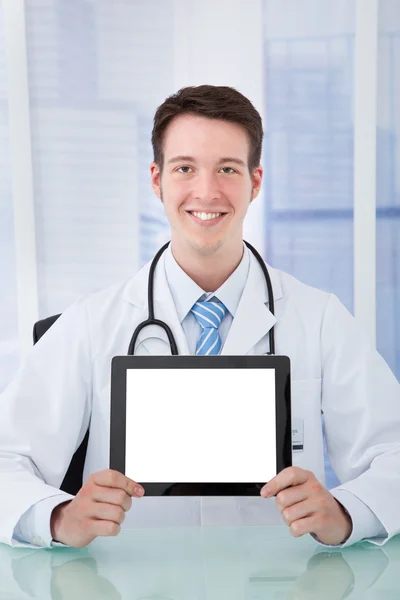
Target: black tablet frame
281, 365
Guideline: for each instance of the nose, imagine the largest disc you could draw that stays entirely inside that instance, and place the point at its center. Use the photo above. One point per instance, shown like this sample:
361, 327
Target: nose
207, 188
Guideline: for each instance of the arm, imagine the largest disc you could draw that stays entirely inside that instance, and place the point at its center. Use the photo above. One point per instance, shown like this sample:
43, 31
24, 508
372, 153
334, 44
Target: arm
361, 403
45, 414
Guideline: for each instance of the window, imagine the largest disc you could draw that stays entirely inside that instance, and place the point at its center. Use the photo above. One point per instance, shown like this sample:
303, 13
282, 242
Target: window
9, 351
308, 148
388, 185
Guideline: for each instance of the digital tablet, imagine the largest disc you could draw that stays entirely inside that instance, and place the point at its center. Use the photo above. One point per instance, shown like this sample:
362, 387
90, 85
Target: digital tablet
200, 425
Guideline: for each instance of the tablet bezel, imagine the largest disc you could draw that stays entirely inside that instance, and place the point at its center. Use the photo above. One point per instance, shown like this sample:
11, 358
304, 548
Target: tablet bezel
281, 365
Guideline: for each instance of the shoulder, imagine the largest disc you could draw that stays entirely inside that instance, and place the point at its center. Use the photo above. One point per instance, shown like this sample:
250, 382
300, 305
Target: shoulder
130, 291
319, 309
297, 295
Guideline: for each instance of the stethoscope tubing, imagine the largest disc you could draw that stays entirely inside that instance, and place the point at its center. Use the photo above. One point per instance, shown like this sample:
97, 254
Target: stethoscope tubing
150, 301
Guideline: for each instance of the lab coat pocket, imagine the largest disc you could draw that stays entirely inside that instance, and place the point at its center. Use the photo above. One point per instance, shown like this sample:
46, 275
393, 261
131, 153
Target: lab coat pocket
307, 444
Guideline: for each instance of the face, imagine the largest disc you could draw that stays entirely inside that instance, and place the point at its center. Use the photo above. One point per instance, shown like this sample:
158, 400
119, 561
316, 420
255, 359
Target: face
205, 185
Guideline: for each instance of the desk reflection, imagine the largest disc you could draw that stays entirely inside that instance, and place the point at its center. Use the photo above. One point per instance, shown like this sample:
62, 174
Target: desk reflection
195, 564
79, 578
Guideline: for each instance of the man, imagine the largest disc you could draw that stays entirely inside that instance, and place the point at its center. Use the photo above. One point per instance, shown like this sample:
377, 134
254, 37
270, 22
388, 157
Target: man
207, 146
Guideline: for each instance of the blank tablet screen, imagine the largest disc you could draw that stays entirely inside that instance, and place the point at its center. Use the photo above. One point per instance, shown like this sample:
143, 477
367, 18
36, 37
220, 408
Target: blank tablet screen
200, 425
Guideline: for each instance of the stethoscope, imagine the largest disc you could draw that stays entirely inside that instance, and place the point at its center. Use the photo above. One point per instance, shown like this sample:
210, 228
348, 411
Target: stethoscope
152, 321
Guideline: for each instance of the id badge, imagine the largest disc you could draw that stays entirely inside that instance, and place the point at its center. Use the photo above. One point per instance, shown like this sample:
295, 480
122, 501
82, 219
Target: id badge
297, 435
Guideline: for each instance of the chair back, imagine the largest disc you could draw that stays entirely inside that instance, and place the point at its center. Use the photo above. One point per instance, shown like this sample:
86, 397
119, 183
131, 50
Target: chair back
72, 481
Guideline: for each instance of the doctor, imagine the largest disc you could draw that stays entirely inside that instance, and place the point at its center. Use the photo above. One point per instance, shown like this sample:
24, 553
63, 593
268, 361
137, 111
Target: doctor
207, 146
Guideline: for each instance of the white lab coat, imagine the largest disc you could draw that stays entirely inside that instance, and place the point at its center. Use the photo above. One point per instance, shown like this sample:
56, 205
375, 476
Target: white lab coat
65, 382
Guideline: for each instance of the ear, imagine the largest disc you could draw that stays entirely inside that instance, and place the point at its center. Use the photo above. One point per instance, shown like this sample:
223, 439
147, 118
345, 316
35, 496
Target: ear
155, 175
256, 180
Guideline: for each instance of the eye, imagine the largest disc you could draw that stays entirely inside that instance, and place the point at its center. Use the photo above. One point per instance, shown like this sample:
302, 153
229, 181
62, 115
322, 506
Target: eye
228, 170
185, 168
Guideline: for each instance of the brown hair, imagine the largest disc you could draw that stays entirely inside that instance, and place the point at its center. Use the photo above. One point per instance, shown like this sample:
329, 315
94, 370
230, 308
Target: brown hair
213, 102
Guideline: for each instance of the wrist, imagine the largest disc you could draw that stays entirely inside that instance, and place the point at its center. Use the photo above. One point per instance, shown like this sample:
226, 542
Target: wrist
56, 520
349, 521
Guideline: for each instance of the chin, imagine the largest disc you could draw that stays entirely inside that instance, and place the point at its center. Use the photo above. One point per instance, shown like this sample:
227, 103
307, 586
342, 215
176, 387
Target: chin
206, 247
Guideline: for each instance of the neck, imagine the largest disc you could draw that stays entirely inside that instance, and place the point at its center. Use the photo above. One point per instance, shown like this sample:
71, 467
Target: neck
209, 271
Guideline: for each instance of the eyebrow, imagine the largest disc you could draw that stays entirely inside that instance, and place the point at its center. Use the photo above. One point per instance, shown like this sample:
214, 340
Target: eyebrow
225, 159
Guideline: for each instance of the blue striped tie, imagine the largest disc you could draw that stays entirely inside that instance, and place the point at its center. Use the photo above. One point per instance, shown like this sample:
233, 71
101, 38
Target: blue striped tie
209, 315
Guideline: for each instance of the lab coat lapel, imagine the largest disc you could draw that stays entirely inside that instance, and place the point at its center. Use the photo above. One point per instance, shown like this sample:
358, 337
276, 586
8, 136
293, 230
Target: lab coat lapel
164, 308
253, 318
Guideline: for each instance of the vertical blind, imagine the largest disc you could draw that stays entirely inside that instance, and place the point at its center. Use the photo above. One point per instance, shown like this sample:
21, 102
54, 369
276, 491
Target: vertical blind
388, 185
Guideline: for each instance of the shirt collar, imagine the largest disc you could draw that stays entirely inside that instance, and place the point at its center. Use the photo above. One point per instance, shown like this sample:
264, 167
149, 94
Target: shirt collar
185, 292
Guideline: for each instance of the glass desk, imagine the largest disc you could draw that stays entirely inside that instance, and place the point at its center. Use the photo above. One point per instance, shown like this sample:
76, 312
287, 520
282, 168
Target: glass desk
209, 563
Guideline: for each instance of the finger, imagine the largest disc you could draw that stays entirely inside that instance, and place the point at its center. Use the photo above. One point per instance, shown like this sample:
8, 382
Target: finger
302, 526
298, 511
115, 479
104, 528
112, 496
290, 476
291, 495
107, 512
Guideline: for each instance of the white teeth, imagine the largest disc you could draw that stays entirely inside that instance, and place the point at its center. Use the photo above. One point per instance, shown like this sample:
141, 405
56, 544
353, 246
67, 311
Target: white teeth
205, 216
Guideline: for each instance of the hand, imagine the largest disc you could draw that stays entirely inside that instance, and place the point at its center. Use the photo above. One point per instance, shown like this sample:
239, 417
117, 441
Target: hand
98, 509
307, 507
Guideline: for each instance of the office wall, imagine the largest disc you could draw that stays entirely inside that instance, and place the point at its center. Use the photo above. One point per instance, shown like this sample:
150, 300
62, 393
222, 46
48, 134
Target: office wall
95, 72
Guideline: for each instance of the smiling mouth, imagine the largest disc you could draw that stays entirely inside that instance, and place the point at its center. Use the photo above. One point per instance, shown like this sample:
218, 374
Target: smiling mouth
203, 216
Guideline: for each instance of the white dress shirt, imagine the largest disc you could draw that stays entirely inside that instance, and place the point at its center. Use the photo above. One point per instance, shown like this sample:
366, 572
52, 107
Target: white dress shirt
185, 293
34, 525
